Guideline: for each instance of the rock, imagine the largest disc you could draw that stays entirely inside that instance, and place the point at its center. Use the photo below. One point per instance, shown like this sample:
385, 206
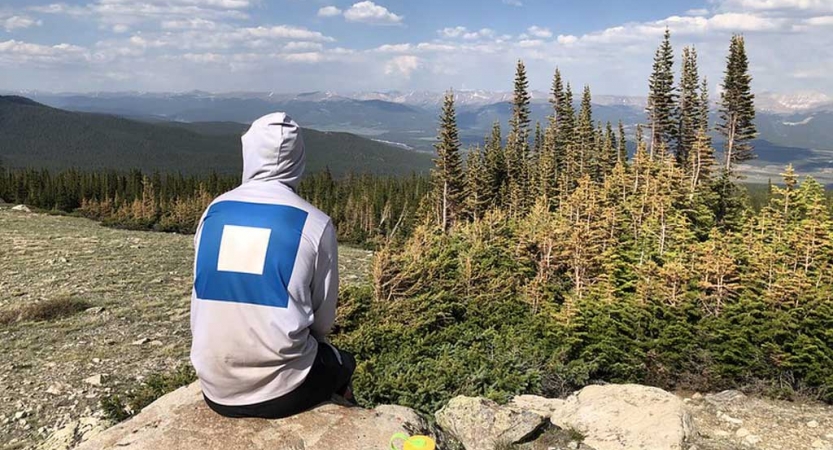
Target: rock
724, 398
820, 444
21, 208
141, 341
812, 424
94, 310
156, 343
536, 404
74, 433
94, 380
625, 417
727, 418
181, 420
19, 415
742, 432
54, 389
481, 424
697, 396
751, 440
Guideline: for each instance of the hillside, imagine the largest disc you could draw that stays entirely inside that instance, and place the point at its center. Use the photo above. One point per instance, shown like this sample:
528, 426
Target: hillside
35, 135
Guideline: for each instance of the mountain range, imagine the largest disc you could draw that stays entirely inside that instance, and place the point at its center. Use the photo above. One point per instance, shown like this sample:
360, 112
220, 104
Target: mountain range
795, 129
39, 136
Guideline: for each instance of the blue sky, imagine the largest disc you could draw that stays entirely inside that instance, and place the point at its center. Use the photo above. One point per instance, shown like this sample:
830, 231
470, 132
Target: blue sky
349, 45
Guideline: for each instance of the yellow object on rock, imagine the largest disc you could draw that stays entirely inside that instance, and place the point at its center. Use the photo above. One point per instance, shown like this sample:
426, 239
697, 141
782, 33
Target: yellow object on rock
412, 442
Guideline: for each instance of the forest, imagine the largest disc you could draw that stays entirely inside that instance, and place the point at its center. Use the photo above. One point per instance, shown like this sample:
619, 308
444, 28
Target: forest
548, 259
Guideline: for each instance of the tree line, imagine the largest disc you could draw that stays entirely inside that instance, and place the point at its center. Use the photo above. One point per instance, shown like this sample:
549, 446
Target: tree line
366, 209
547, 259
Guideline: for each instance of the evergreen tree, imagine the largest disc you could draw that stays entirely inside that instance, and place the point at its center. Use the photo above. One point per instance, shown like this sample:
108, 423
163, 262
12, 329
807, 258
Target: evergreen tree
448, 175
517, 143
585, 135
688, 110
622, 144
495, 162
477, 184
662, 98
737, 107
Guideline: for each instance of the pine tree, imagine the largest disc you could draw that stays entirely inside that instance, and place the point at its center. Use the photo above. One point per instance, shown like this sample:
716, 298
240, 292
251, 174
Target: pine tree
688, 109
622, 144
517, 143
448, 175
477, 184
737, 108
661, 98
495, 162
585, 135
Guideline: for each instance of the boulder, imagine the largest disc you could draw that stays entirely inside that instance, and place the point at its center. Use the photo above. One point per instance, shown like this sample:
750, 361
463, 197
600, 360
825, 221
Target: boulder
626, 417
181, 420
481, 424
21, 208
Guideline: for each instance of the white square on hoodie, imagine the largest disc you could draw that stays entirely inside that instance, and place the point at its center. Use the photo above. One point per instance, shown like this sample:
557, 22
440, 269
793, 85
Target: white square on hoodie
243, 249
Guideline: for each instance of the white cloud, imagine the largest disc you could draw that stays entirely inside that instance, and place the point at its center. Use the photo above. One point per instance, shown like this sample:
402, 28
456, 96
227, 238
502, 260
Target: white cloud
513, 2
779, 5
17, 52
402, 65
302, 46
464, 33
369, 12
189, 24
567, 39
19, 22
329, 11
697, 12
820, 21
539, 32
308, 57
527, 43
120, 28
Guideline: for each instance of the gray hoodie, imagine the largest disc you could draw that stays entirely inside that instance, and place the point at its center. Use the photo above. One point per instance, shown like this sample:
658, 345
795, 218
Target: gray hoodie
265, 275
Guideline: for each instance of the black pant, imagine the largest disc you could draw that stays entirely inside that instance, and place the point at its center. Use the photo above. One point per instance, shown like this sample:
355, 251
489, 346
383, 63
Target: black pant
326, 377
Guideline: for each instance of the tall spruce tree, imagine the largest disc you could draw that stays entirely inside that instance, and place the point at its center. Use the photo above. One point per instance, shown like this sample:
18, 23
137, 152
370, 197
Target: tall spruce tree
495, 162
622, 144
448, 173
517, 143
737, 107
662, 98
688, 108
477, 192
585, 135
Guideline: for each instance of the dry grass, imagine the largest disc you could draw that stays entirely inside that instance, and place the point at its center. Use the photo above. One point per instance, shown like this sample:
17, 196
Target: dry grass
51, 309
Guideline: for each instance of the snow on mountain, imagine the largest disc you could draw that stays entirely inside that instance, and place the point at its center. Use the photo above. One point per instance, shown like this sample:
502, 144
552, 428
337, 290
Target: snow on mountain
792, 103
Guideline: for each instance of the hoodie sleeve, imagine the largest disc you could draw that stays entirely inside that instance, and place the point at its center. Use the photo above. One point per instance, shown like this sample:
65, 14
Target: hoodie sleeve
325, 284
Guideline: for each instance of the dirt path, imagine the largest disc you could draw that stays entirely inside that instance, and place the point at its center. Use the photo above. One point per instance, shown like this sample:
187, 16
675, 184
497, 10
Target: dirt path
137, 287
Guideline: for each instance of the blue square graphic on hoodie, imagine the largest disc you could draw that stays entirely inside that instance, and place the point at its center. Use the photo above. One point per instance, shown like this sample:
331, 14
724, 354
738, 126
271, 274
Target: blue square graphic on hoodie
233, 266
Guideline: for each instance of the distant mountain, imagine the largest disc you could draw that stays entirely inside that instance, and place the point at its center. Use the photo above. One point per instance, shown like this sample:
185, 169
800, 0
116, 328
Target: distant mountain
409, 119
35, 135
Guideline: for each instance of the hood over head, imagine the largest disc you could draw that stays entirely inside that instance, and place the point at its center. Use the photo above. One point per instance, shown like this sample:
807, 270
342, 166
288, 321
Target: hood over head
273, 150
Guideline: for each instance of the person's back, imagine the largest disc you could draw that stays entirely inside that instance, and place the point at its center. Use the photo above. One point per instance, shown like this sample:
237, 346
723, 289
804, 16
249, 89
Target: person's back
265, 287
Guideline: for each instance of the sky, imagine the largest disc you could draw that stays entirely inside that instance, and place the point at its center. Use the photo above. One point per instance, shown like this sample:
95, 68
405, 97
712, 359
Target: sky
344, 46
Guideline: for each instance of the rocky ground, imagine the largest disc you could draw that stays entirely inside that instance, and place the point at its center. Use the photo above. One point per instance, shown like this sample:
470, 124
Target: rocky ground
135, 288
135, 291
731, 420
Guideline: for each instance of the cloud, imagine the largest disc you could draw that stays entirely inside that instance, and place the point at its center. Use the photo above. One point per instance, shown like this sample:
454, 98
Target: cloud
567, 39
296, 46
120, 28
189, 24
464, 33
17, 52
402, 65
697, 12
539, 32
369, 12
329, 11
19, 22
513, 2
779, 5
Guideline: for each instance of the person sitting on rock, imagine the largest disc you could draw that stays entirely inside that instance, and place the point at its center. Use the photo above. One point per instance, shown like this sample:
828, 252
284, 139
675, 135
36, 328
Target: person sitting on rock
265, 288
